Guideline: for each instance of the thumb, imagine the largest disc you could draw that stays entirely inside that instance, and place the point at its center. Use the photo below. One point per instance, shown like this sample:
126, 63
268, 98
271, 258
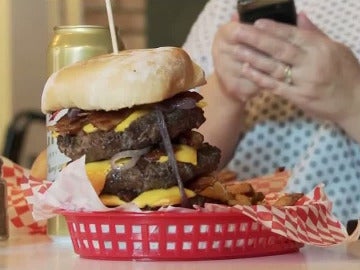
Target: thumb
303, 22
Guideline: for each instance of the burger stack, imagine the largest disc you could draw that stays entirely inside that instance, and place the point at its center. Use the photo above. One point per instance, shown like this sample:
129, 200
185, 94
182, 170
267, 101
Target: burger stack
133, 117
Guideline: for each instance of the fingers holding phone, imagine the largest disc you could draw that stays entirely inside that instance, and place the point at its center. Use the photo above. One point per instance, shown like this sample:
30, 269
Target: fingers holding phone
269, 55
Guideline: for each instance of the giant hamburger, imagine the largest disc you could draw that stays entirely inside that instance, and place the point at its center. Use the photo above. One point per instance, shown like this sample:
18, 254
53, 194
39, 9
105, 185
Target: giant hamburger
133, 117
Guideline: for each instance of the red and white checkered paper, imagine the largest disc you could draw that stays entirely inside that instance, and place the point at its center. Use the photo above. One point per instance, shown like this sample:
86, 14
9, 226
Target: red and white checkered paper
310, 221
19, 210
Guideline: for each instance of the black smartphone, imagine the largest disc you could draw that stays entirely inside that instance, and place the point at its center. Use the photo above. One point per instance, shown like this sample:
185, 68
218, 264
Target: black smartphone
279, 10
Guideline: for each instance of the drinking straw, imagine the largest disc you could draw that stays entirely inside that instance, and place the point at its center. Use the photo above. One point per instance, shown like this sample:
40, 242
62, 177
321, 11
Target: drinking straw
112, 26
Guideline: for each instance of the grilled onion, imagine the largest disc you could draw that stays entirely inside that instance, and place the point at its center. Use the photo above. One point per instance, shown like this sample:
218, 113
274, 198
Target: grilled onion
134, 156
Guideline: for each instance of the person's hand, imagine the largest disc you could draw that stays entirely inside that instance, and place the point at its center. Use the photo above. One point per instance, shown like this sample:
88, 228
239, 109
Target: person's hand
324, 75
227, 65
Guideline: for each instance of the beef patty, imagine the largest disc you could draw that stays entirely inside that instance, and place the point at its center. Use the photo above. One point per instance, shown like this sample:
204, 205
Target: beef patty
148, 174
180, 113
141, 133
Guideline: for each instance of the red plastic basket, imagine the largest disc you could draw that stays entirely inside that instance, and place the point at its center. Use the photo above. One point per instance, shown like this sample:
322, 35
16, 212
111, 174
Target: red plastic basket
172, 236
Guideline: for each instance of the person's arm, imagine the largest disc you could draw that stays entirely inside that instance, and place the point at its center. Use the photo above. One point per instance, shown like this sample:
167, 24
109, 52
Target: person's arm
324, 77
351, 121
212, 44
224, 119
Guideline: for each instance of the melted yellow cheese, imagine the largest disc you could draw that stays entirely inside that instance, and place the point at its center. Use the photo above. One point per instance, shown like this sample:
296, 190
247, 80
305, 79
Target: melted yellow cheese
128, 120
111, 200
151, 198
161, 197
54, 134
201, 104
98, 167
97, 171
89, 128
183, 153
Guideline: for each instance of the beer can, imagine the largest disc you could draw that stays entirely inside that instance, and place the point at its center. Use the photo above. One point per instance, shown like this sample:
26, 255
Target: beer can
70, 44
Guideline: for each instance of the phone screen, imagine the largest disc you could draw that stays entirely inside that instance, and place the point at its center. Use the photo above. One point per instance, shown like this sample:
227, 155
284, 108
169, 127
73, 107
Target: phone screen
281, 10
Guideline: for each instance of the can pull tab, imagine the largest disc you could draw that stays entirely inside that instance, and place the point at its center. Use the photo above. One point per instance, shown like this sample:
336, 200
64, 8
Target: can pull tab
4, 221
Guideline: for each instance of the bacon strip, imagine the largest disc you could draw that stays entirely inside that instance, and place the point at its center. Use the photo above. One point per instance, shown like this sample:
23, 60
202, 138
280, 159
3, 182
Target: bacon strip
72, 123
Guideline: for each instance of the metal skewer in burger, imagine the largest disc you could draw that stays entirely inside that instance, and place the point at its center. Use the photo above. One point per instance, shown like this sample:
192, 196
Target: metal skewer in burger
132, 116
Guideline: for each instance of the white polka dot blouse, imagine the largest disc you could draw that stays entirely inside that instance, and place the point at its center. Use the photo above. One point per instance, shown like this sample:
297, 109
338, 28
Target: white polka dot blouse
280, 135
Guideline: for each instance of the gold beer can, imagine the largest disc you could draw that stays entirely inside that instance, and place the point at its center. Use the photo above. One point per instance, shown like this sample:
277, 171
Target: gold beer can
70, 44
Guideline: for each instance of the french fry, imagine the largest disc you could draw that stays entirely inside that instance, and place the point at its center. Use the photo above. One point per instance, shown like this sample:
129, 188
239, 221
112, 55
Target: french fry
215, 191
209, 186
226, 176
225, 187
257, 198
288, 199
240, 199
240, 188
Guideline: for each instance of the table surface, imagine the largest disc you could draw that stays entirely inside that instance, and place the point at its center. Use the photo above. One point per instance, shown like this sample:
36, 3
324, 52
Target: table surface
40, 252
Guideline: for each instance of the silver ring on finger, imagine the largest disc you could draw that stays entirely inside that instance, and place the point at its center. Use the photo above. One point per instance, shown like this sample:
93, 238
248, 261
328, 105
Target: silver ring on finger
288, 75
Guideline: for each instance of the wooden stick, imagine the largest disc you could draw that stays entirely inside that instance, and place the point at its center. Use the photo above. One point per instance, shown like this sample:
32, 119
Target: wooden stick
112, 26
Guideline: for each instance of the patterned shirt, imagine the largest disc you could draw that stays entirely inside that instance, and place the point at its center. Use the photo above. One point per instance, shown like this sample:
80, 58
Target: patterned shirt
278, 134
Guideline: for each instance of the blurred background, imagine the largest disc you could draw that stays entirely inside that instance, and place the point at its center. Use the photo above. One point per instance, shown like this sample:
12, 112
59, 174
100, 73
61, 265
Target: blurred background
26, 28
